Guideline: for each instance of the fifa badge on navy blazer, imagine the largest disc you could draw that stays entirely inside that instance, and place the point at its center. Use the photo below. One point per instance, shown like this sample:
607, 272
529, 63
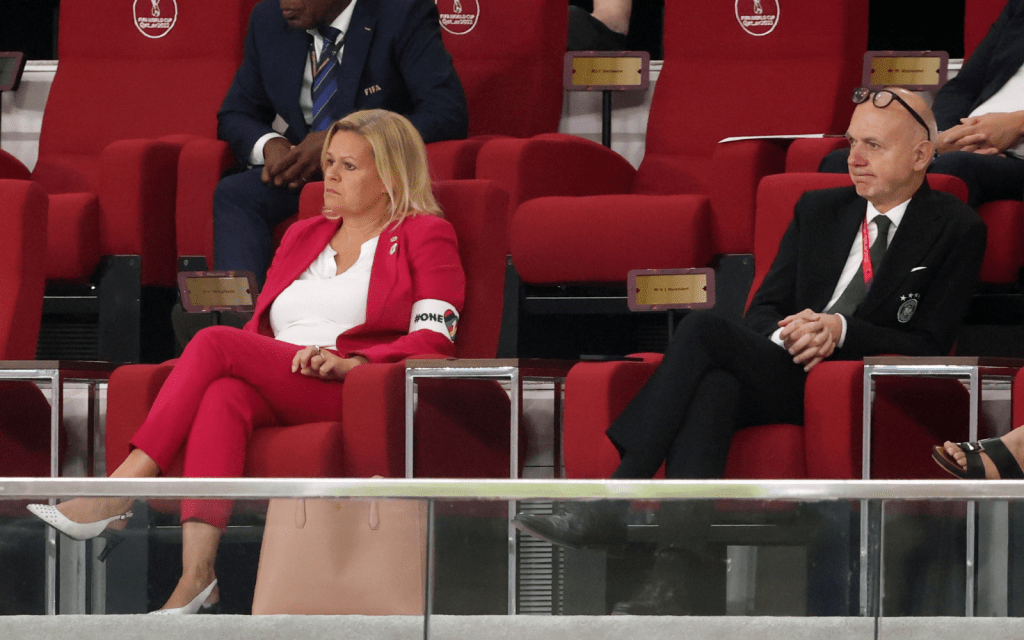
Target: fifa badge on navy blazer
909, 306
371, 90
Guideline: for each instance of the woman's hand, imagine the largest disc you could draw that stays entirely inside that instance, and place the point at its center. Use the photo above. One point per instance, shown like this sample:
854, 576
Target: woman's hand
318, 362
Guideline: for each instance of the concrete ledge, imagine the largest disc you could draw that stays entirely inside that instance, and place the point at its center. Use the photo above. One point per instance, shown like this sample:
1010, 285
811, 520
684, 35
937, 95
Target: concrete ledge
137, 627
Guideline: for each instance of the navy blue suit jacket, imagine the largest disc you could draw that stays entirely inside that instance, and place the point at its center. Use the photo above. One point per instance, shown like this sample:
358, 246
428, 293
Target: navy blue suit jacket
393, 59
999, 55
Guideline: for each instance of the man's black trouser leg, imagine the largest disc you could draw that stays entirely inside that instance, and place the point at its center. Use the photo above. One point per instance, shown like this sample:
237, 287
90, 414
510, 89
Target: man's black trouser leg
686, 418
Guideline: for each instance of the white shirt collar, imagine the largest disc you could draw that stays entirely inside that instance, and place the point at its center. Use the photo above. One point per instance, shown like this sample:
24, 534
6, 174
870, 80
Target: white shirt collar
341, 23
895, 214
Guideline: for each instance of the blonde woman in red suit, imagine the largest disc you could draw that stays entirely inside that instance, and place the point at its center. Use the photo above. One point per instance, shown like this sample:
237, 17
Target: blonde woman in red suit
349, 287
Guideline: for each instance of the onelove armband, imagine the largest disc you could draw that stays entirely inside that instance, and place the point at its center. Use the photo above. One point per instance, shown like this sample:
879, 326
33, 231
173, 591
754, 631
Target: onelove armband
434, 315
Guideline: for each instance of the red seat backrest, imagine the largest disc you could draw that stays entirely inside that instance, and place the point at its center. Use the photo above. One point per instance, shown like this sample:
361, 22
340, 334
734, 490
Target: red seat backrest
115, 82
509, 57
778, 194
979, 15
718, 80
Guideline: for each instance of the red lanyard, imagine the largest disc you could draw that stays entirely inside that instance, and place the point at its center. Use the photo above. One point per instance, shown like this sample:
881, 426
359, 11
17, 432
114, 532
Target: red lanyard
869, 273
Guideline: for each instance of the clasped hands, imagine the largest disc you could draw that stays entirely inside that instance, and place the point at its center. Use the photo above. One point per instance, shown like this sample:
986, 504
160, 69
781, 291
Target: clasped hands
810, 337
318, 362
987, 134
290, 165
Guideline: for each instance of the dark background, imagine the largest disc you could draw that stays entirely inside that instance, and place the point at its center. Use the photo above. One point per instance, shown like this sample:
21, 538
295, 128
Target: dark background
907, 25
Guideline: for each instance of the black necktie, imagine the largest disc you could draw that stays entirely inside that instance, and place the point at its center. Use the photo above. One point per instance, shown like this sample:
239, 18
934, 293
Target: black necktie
854, 293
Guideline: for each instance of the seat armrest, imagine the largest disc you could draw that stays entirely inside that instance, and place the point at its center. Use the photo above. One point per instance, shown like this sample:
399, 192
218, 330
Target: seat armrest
200, 166
373, 406
130, 394
12, 169
833, 410
601, 238
806, 154
455, 159
462, 426
737, 169
553, 165
595, 394
136, 189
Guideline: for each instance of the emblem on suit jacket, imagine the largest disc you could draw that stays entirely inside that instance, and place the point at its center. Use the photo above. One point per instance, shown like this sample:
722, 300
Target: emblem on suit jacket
909, 306
458, 17
155, 18
758, 17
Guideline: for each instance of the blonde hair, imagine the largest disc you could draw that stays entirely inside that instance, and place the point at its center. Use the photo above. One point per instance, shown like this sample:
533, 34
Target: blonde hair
400, 156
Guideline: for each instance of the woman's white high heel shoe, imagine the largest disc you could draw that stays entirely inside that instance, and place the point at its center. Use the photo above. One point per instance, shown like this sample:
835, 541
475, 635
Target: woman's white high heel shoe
190, 608
74, 530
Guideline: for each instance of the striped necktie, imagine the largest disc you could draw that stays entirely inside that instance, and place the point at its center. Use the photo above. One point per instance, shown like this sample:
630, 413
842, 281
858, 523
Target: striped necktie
855, 292
325, 76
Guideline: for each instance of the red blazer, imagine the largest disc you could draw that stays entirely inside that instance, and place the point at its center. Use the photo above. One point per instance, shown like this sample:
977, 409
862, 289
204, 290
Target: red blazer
416, 259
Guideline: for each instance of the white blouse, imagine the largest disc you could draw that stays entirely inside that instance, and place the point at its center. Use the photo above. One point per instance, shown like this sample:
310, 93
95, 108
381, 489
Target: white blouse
322, 304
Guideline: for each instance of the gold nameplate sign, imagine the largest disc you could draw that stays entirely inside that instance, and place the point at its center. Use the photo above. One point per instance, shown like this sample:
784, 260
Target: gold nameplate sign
217, 290
912, 70
658, 289
607, 70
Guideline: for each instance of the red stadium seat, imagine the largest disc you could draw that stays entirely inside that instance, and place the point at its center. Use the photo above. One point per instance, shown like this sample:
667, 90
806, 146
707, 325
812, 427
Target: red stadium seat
692, 198
126, 94
828, 446
979, 15
460, 431
502, 69
1004, 253
24, 411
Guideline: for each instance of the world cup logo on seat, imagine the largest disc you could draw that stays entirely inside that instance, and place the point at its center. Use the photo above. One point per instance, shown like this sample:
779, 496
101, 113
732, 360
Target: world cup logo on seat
458, 17
758, 17
152, 20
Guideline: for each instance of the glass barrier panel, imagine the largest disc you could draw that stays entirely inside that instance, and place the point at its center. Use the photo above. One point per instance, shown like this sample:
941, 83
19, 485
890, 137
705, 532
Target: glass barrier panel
412, 557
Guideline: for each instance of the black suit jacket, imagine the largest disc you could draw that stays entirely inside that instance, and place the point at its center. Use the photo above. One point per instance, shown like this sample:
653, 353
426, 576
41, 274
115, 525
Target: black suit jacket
999, 55
393, 59
934, 259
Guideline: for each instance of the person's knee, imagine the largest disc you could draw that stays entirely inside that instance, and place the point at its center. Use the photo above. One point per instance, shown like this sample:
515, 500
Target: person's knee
955, 163
210, 339
231, 194
699, 323
697, 326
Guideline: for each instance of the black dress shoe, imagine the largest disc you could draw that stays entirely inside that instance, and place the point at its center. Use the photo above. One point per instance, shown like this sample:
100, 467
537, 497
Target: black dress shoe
579, 525
665, 592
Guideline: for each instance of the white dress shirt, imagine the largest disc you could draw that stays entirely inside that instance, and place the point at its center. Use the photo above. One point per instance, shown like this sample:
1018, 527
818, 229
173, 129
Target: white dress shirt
322, 303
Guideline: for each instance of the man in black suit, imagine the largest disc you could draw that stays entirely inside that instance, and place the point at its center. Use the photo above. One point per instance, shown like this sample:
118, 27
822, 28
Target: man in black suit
980, 114
824, 297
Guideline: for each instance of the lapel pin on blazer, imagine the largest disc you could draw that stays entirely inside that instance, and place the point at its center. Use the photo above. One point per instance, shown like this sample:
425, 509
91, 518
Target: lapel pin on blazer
394, 245
374, 89
909, 306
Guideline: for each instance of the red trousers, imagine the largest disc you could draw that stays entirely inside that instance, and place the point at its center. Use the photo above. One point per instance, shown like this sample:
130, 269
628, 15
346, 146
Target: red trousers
226, 383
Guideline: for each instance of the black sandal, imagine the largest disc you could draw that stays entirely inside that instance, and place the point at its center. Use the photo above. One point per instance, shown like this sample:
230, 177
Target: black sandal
1001, 457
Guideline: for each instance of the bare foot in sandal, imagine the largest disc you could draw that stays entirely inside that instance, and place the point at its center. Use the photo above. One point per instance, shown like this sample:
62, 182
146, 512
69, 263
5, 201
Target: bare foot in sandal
992, 459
